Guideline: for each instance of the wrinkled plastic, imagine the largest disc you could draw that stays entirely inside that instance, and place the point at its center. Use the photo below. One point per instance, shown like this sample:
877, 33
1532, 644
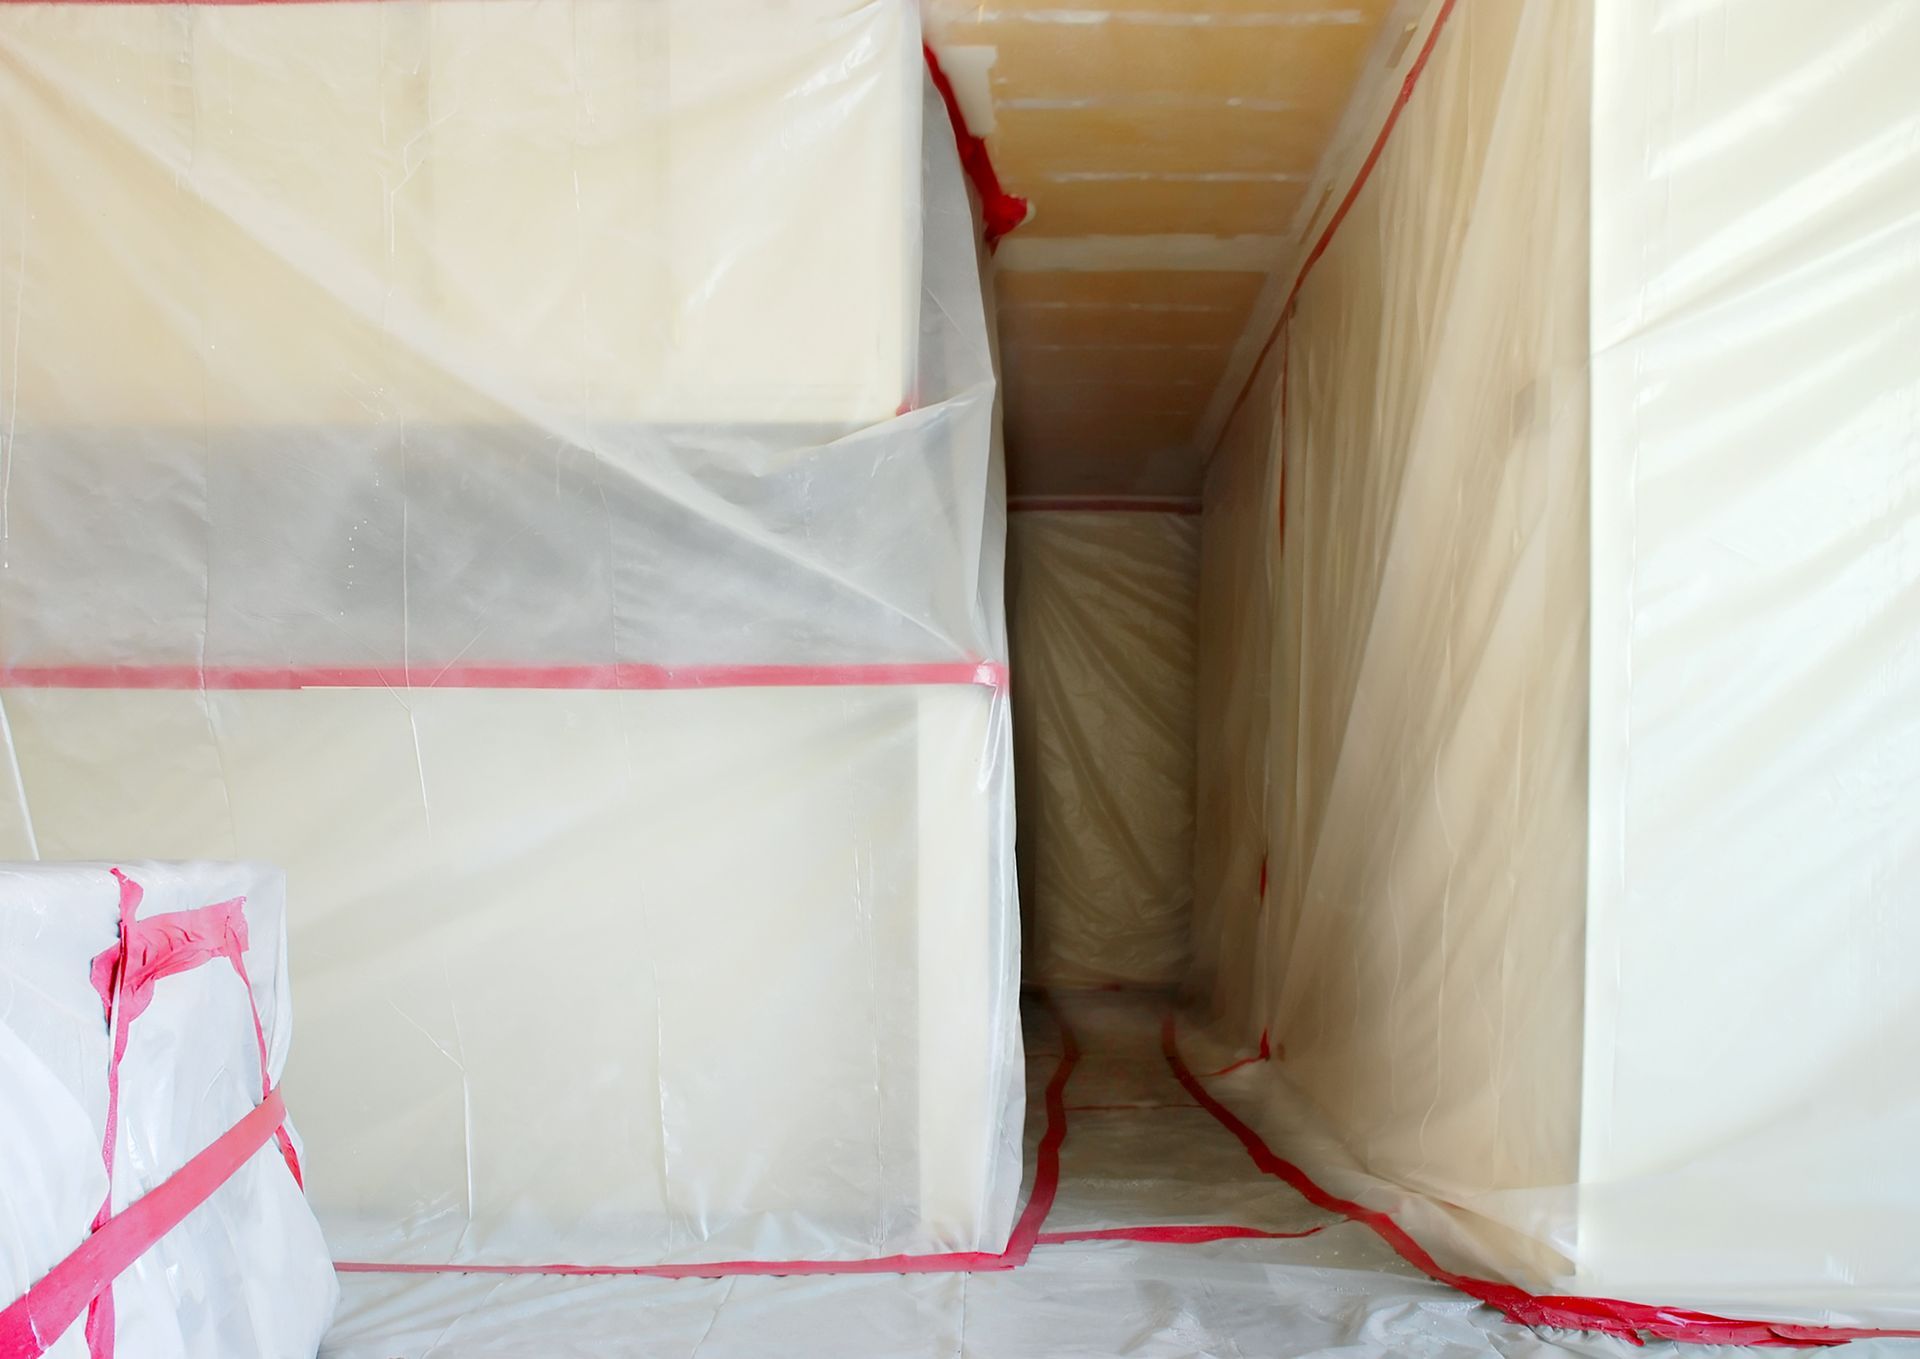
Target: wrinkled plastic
1102, 608
1592, 708
530, 470
246, 1273
1166, 1241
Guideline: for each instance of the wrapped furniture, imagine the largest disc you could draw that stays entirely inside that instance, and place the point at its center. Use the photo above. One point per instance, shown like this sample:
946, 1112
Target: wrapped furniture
529, 469
153, 1204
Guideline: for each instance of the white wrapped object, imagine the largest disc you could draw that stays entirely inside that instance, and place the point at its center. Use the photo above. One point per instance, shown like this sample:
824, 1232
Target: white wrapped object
181, 969
560, 522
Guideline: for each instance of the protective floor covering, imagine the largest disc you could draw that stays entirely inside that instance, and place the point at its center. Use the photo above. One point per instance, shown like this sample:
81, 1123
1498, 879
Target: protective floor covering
1138, 1153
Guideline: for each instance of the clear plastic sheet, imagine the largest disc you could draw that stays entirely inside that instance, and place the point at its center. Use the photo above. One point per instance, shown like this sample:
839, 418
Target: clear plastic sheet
1139, 1154
1102, 608
1591, 709
529, 469
246, 1273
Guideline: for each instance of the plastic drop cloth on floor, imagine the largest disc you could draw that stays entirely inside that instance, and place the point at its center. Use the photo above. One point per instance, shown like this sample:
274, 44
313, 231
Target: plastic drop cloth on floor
1137, 1152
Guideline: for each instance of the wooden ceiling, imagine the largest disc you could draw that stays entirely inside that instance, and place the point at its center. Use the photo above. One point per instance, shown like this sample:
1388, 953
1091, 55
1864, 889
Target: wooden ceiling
1165, 146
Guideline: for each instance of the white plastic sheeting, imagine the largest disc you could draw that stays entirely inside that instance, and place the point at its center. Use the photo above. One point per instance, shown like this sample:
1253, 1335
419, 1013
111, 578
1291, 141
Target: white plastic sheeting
1102, 608
1591, 711
1138, 1152
529, 469
178, 1064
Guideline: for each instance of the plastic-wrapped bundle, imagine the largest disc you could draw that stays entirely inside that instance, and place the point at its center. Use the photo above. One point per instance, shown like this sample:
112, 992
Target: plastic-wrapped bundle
153, 1202
529, 469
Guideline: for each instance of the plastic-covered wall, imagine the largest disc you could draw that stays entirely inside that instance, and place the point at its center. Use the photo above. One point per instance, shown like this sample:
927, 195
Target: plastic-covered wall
1231, 865
144, 1025
1429, 652
1751, 1100
1102, 610
642, 780
1590, 615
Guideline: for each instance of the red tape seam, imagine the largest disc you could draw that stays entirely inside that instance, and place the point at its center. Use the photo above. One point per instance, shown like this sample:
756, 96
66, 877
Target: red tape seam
1080, 504
1360, 179
988, 674
124, 975
1001, 211
1176, 1235
1264, 1054
30, 1326
1630, 1321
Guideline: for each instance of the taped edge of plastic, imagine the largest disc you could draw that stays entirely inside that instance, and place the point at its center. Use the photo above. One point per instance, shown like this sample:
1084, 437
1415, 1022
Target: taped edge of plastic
1630, 1321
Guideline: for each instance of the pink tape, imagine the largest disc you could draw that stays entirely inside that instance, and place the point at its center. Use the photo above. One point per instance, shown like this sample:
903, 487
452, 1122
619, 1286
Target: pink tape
1374, 152
1199, 1235
1072, 504
988, 674
124, 976
42, 1315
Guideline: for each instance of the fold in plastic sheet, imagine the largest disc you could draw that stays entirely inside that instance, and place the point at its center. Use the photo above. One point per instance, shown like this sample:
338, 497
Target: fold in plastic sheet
246, 1273
1591, 710
1102, 606
530, 470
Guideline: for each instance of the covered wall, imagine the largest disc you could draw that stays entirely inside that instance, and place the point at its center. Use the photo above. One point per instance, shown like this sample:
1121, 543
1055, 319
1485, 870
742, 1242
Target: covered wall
1752, 1089
1425, 808
1102, 616
1588, 428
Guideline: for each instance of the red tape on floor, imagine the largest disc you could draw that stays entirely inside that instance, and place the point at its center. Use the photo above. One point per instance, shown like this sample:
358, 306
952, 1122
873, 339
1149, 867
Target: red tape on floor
1027, 1232
1631, 1321
1076, 504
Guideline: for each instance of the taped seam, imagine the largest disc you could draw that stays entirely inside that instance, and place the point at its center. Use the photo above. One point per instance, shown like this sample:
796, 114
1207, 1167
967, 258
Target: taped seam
1631, 1321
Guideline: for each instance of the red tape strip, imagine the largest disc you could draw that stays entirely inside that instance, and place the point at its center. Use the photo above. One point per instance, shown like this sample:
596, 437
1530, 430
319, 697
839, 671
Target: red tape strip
1628, 1320
45, 1311
1001, 211
1175, 1236
1073, 504
988, 674
1374, 152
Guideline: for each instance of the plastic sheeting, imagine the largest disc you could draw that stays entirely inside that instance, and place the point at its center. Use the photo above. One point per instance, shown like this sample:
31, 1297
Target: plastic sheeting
1249, 1267
1584, 741
1102, 608
530, 470
1750, 1106
181, 1062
